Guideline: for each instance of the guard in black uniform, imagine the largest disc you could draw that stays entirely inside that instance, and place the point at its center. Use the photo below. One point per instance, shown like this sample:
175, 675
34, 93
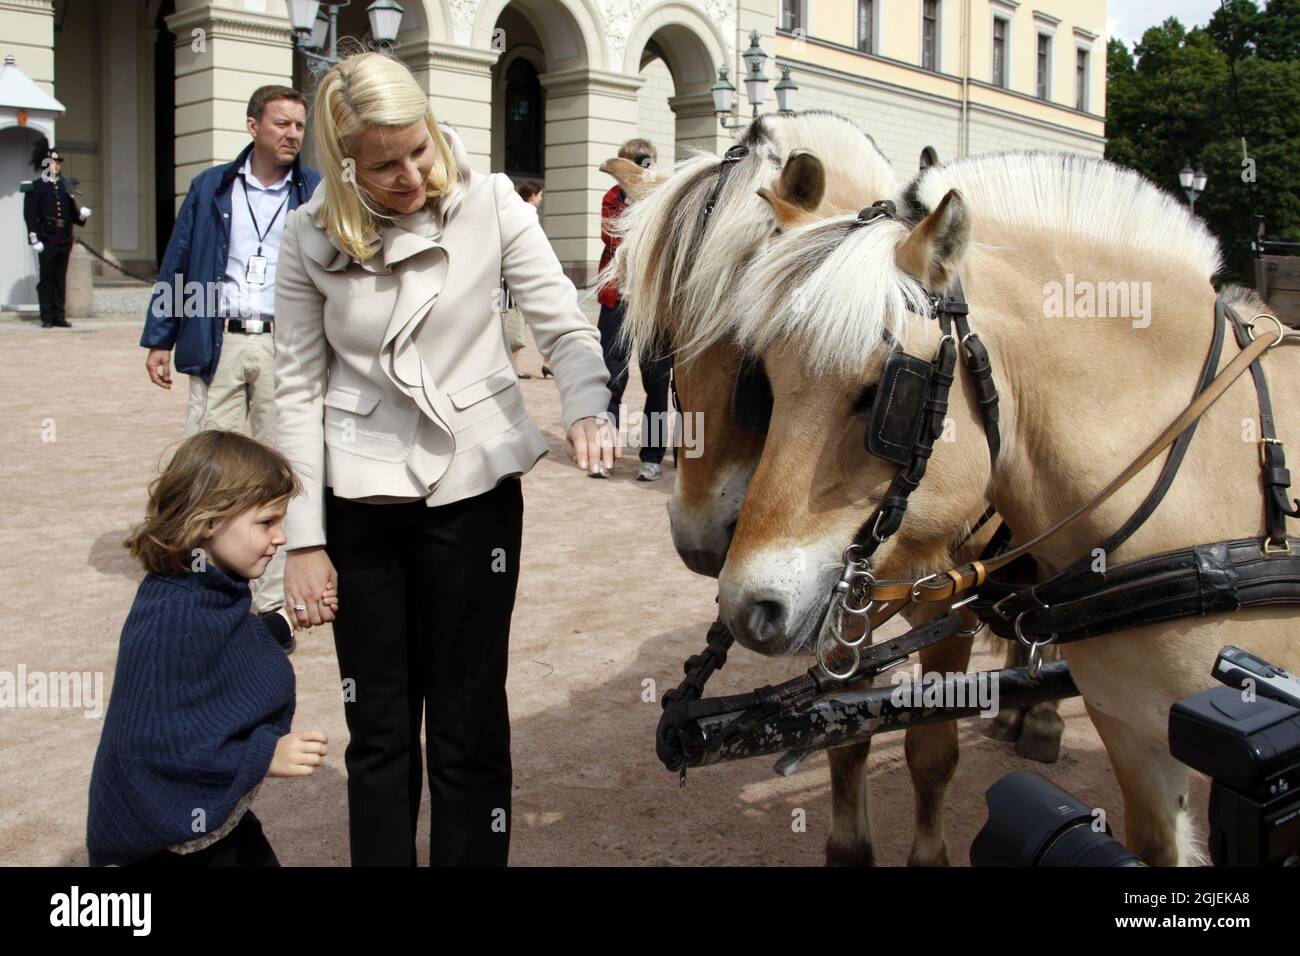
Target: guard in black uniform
51, 212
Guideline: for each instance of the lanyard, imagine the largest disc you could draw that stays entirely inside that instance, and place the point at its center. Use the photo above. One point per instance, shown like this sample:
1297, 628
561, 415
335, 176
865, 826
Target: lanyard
261, 234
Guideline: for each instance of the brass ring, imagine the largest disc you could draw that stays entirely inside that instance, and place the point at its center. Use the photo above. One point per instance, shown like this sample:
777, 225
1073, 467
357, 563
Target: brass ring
1281, 330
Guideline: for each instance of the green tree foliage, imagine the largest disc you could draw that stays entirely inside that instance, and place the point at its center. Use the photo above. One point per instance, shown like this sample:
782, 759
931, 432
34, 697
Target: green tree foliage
1171, 98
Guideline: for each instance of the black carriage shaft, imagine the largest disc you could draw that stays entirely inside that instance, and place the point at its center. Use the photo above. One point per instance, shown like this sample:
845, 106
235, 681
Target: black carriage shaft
851, 716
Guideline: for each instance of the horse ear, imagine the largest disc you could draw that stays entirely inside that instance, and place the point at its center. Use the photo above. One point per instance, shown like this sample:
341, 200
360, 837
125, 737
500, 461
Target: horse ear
935, 249
635, 180
803, 180
787, 213
798, 190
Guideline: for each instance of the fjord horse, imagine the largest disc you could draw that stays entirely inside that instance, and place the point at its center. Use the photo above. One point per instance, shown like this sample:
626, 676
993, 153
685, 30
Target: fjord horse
1081, 397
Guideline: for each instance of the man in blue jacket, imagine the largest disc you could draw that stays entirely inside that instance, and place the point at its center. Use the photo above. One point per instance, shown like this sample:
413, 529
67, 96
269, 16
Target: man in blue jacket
214, 300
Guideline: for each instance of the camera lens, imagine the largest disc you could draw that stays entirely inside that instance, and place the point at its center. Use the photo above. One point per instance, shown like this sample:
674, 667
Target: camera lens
1033, 822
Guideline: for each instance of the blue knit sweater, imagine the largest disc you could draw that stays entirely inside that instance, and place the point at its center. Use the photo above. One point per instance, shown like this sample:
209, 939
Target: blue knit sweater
201, 695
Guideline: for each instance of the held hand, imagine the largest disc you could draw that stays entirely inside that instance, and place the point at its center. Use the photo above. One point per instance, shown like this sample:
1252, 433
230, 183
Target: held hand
85, 212
38, 246
158, 363
329, 598
591, 444
298, 754
32, 239
310, 583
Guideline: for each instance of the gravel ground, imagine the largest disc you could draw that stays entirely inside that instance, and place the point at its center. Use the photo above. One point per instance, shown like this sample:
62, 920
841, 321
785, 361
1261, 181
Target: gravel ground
605, 609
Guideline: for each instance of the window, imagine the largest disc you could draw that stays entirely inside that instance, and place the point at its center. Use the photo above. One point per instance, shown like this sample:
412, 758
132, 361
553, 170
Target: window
792, 15
1044, 89
999, 52
930, 34
1081, 80
866, 33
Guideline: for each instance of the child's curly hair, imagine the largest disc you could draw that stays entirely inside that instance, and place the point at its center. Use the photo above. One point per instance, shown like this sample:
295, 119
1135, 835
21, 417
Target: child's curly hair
213, 475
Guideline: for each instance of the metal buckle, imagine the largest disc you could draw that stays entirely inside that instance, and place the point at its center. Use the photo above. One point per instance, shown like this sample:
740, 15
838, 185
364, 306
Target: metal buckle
1285, 549
1269, 441
917, 584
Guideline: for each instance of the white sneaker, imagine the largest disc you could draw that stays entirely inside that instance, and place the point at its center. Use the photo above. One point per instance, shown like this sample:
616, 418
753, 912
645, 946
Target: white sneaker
649, 471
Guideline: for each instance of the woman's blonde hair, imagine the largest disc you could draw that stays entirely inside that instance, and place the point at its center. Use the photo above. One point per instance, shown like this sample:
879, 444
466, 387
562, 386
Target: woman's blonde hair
362, 91
213, 475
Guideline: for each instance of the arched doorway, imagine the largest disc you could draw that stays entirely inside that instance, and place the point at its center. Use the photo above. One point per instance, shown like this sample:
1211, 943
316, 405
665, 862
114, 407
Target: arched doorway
524, 132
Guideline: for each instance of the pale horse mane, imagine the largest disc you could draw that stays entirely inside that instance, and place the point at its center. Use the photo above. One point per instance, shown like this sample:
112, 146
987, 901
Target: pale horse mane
678, 279
835, 289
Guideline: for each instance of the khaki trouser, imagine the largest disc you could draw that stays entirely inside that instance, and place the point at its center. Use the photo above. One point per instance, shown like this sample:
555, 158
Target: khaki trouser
242, 389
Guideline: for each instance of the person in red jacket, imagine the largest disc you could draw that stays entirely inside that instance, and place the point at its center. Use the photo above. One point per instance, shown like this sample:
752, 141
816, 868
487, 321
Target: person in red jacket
655, 371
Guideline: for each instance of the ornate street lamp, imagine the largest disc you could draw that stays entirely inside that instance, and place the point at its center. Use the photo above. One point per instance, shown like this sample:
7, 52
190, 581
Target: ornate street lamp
724, 93
316, 30
1193, 183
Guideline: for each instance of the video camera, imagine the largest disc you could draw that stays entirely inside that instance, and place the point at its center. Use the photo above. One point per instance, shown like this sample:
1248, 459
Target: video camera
1244, 736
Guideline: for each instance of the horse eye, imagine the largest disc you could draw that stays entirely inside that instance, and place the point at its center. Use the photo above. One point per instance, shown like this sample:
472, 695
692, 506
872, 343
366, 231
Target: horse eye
865, 400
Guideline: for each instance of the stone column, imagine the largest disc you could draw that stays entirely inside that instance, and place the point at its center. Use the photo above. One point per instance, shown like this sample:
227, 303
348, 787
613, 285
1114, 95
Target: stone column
458, 82
589, 114
697, 124
222, 55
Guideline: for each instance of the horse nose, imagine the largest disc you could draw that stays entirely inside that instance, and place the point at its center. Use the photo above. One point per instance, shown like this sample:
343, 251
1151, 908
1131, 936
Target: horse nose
708, 563
759, 619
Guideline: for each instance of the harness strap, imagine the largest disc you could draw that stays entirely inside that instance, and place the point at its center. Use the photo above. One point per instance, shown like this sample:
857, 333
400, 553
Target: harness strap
733, 155
1204, 579
1272, 459
943, 587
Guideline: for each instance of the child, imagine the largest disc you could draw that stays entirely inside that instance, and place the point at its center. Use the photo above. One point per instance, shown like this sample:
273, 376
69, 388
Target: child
203, 694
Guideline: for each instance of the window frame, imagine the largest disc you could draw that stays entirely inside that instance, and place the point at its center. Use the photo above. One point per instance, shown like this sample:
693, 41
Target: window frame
1043, 66
802, 9
1004, 18
937, 66
874, 47
1084, 51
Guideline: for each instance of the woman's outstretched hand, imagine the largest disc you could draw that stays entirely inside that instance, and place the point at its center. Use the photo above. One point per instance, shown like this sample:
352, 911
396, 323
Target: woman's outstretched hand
591, 444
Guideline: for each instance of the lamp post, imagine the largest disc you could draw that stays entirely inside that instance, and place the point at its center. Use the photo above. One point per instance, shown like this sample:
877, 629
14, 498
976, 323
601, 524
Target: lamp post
724, 94
316, 30
1193, 183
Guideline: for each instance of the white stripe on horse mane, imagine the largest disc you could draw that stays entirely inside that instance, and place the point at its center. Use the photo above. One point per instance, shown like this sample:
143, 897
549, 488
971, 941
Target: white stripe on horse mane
834, 290
679, 284
1079, 195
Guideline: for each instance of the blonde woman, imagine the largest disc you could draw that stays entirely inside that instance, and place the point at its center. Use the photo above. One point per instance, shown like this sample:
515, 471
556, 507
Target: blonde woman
398, 406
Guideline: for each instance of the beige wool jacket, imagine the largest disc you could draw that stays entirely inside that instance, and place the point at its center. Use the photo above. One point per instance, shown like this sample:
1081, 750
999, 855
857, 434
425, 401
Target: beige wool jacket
393, 377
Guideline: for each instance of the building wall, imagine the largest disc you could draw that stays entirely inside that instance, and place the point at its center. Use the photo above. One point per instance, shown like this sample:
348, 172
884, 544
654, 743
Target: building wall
598, 93
955, 109
655, 120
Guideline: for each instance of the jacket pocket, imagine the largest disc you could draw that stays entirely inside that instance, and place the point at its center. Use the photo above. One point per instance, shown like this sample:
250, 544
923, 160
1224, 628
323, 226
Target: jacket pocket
359, 423
463, 398
351, 400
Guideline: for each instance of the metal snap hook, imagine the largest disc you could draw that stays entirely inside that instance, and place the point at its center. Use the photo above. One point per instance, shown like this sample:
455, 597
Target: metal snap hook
835, 675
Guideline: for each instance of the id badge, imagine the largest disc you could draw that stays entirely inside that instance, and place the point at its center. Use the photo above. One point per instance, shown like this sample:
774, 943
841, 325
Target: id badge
256, 274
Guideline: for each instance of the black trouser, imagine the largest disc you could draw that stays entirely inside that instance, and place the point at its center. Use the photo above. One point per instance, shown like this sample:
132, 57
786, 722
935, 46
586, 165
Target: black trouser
654, 376
53, 282
245, 845
423, 628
